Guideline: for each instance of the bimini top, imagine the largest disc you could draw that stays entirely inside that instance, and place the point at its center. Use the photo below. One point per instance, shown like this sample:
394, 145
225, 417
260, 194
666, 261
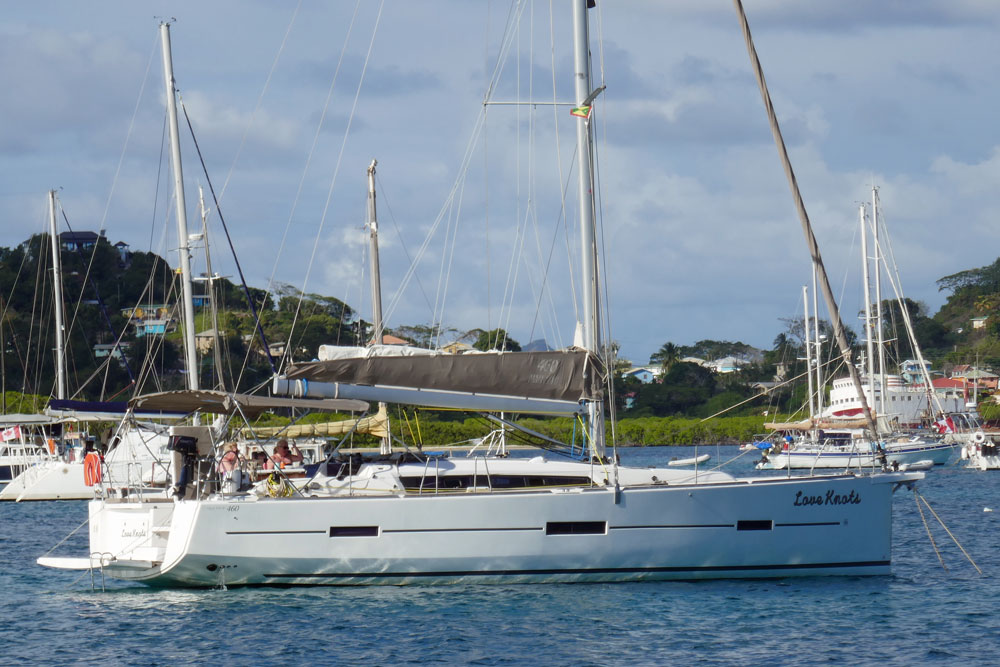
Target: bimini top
220, 402
27, 420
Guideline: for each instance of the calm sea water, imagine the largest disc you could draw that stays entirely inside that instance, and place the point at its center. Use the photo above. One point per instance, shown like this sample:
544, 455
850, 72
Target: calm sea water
921, 614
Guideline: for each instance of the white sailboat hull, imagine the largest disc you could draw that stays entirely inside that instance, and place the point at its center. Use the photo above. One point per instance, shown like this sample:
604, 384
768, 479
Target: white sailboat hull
135, 458
49, 480
835, 525
834, 458
981, 455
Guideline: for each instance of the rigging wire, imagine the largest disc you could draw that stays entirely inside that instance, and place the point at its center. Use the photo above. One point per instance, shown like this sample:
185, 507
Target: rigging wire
239, 268
477, 132
306, 166
340, 157
260, 100
385, 205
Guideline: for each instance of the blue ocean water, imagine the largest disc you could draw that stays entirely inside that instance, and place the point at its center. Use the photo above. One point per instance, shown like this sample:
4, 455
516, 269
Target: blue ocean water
921, 614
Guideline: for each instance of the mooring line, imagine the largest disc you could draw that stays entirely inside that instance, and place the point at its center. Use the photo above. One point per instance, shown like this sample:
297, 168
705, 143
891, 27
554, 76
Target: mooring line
953, 538
916, 499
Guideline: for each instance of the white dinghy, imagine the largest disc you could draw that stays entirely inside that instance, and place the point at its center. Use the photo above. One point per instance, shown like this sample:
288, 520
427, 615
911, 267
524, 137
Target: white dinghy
690, 461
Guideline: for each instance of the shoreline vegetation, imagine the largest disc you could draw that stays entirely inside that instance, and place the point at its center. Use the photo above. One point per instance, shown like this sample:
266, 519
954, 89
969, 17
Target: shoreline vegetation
430, 432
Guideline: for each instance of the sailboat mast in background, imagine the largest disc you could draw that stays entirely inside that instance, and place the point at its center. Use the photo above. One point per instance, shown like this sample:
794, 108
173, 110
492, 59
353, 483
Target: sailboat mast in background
385, 443
187, 306
58, 303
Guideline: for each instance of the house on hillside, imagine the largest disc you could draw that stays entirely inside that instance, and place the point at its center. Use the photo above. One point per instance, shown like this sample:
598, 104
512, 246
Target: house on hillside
105, 350
123, 252
150, 320
644, 374
389, 339
74, 241
205, 340
457, 347
951, 388
726, 364
910, 370
976, 379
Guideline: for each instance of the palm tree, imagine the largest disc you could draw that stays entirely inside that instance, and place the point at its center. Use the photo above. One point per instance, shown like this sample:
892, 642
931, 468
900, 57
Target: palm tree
668, 355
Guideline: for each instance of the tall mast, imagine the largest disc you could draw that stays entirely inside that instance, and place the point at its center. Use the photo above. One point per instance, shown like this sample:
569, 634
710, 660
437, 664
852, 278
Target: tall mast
187, 306
805, 333
385, 445
584, 95
58, 302
220, 382
818, 342
376, 274
878, 305
870, 344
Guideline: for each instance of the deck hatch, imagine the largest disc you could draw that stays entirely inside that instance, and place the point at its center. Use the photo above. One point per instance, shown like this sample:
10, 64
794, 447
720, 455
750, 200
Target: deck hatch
576, 528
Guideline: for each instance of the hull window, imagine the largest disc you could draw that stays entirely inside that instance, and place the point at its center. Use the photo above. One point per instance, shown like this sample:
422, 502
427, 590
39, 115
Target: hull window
754, 525
353, 531
576, 528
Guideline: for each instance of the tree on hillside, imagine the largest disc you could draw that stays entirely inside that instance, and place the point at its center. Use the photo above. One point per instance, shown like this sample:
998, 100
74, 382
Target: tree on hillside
496, 339
929, 333
680, 391
984, 280
668, 355
717, 349
424, 335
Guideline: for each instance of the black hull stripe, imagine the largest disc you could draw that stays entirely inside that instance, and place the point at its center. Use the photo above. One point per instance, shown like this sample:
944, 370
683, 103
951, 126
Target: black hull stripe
275, 532
525, 529
707, 525
815, 523
461, 530
596, 570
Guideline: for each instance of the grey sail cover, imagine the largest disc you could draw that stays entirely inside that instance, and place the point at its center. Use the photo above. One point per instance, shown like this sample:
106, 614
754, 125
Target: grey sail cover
568, 375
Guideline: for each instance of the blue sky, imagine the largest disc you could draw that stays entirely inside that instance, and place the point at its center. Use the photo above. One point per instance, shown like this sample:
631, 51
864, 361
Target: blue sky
699, 230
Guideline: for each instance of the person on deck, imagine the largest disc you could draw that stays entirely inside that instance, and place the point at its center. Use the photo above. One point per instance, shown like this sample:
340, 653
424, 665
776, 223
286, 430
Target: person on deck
230, 458
283, 456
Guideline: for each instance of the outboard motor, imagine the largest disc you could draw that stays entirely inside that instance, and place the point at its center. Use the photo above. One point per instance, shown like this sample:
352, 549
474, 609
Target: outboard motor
187, 444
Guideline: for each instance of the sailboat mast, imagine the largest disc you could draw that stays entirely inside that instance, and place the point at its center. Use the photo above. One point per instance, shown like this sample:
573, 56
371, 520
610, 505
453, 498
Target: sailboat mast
805, 333
819, 359
385, 446
58, 301
376, 274
220, 382
187, 306
583, 96
869, 342
878, 305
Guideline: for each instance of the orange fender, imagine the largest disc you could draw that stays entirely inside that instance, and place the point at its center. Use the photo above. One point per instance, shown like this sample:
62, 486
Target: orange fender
91, 469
